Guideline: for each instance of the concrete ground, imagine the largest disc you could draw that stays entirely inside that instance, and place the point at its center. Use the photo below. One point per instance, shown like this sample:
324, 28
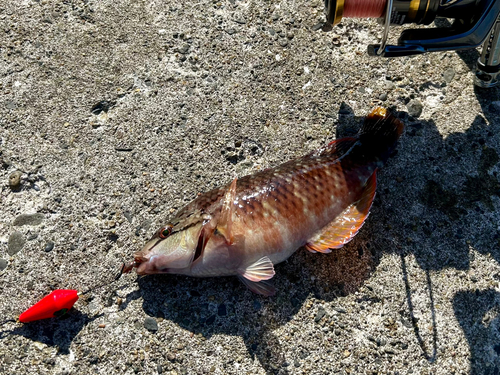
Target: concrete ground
114, 114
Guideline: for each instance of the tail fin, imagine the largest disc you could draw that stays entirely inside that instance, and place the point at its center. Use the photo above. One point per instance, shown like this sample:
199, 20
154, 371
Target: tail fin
380, 132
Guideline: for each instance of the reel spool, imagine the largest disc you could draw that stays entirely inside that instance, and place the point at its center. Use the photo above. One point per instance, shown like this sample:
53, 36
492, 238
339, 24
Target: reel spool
475, 22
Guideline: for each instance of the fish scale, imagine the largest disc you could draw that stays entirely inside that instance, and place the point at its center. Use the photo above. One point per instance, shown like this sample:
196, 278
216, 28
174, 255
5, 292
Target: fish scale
319, 201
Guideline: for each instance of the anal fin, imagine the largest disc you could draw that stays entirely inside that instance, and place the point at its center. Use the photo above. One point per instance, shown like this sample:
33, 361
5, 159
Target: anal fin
347, 224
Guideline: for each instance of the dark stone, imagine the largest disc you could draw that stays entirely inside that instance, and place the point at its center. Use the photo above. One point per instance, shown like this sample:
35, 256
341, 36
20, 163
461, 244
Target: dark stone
231, 31
49, 246
383, 97
320, 314
150, 324
16, 243
28, 219
159, 369
3, 264
283, 42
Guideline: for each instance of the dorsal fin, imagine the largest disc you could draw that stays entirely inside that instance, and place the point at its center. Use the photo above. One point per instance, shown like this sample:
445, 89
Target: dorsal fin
337, 148
347, 224
226, 219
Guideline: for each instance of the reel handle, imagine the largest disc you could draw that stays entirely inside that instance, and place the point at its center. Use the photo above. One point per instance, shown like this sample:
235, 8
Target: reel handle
463, 34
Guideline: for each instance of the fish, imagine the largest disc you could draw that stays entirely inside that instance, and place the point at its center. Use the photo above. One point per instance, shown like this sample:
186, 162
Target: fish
244, 228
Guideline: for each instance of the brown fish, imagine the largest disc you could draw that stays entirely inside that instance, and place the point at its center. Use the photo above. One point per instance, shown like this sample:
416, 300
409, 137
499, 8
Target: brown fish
319, 201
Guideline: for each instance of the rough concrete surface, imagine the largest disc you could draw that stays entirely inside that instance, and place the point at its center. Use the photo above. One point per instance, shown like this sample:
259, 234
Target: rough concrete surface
114, 114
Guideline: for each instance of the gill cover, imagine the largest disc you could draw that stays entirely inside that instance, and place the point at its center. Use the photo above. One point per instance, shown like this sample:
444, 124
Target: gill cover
176, 251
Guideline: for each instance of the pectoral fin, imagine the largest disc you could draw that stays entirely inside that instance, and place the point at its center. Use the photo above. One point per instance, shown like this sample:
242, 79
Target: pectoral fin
346, 225
226, 219
262, 269
262, 287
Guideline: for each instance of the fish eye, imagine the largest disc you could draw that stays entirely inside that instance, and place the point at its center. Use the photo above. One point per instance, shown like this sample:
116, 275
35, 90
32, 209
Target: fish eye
165, 231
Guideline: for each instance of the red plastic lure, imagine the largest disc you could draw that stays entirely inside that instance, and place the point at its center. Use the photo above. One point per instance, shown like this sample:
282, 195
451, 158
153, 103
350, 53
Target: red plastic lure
55, 304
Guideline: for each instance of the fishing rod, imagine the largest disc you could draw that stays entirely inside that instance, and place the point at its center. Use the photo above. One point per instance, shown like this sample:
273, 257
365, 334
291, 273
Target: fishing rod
475, 23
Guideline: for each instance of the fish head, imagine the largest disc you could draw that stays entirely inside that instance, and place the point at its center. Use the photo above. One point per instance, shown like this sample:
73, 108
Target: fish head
170, 250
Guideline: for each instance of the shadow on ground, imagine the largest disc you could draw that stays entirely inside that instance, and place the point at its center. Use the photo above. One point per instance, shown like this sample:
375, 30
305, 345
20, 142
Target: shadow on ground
444, 188
224, 305
57, 332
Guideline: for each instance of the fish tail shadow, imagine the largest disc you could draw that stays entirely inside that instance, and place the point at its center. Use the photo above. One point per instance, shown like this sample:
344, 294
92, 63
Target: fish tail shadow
380, 133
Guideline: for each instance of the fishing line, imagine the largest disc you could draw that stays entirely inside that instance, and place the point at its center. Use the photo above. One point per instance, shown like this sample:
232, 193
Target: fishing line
108, 282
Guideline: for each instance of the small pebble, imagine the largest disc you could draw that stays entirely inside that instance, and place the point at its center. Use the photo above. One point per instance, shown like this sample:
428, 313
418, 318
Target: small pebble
15, 179
383, 97
16, 243
318, 26
414, 108
150, 324
28, 219
448, 75
283, 42
184, 49
3, 264
102, 325
49, 246
388, 85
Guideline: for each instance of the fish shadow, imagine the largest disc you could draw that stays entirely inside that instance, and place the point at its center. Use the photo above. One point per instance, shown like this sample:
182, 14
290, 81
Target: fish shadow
223, 305
55, 332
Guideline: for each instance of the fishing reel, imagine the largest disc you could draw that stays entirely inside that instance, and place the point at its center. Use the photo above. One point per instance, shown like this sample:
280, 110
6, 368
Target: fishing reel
475, 22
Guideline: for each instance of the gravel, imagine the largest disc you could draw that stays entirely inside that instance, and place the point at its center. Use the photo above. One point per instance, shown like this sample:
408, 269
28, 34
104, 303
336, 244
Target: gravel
119, 115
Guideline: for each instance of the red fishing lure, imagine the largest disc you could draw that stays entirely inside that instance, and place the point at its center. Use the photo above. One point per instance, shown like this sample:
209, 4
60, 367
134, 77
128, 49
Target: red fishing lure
55, 304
